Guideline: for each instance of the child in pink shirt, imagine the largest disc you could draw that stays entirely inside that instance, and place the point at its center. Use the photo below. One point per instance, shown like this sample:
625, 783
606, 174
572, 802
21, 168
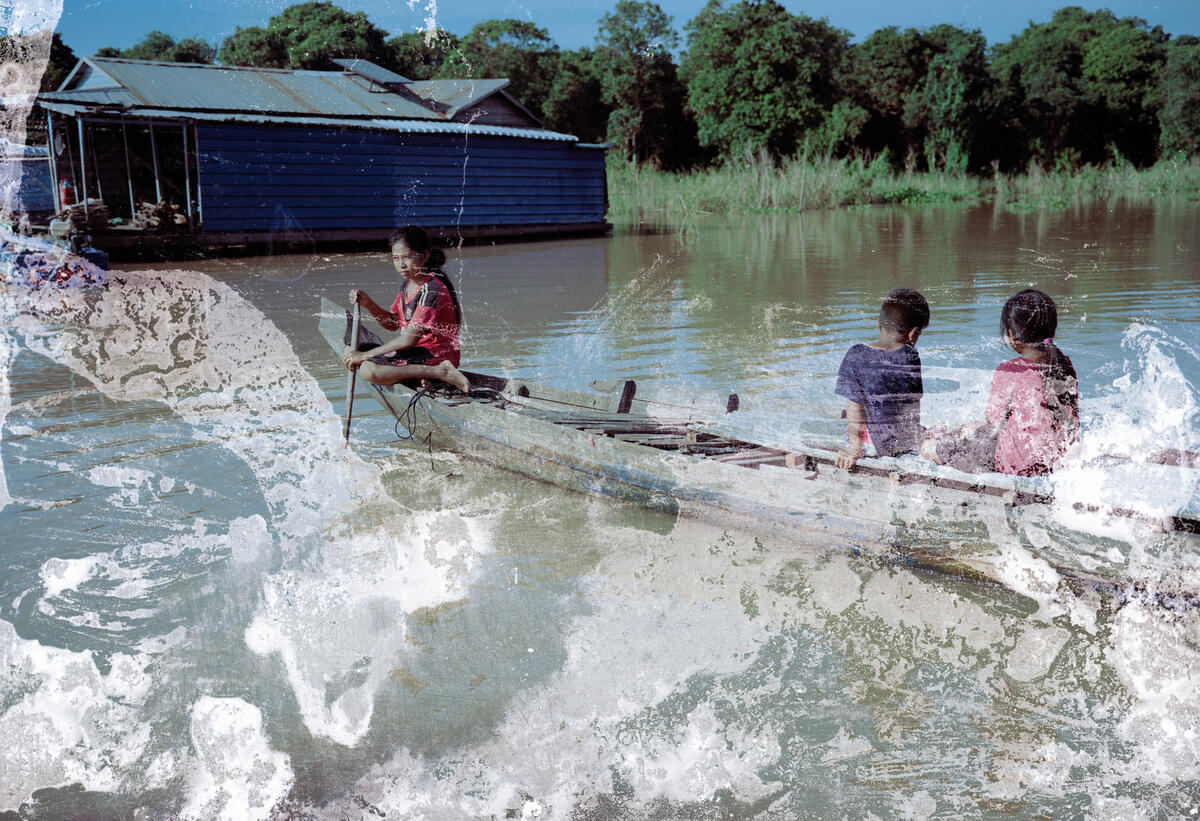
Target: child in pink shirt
1033, 410
1034, 404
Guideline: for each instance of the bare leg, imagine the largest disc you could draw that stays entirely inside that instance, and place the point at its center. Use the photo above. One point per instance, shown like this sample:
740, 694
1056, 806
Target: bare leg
391, 374
452, 376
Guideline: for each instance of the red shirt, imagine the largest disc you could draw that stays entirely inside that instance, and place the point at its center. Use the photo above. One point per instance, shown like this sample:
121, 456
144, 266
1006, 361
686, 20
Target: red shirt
433, 309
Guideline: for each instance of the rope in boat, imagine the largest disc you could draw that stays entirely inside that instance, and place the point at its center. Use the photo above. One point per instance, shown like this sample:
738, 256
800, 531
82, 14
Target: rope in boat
408, 417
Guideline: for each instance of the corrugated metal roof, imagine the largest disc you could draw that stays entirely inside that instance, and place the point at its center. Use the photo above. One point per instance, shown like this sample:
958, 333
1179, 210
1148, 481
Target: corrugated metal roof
74, 109
455, 95
221, 88
105, 96
374, 73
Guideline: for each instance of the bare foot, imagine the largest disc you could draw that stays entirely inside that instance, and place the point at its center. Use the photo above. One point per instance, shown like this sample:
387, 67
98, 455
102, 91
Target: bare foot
453, 376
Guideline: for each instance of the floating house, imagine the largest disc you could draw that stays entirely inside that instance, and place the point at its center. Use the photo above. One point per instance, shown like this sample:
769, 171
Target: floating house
235, 156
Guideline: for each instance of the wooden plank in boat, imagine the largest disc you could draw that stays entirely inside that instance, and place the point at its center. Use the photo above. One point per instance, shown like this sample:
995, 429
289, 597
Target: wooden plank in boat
650, 439
753, 456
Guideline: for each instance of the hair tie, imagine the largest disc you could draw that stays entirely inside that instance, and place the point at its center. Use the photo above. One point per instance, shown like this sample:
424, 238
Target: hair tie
1047, 341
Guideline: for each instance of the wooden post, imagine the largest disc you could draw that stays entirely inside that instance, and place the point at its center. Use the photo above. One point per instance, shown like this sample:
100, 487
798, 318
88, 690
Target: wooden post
199, 191
154, 157
187, 174
58, 206
626, 400
128, 172
75, 177
83, 168
96, 165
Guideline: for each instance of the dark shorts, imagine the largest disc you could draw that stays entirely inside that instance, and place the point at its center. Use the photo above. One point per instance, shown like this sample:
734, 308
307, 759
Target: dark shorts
398, 359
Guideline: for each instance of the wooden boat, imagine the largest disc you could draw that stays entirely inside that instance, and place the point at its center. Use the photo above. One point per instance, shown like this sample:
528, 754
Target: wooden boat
683, 456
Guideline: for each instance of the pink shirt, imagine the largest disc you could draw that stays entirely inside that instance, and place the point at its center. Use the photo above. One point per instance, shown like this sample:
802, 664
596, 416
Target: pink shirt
1030, 442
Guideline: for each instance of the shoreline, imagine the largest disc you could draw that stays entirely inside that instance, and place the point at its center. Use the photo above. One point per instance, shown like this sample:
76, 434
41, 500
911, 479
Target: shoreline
760, 186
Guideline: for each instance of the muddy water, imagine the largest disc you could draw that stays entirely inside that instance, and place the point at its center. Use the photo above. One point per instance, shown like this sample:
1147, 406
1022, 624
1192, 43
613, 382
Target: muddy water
209, 608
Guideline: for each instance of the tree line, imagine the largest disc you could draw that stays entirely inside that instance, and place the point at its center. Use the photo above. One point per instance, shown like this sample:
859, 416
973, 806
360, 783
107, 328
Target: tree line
753, 79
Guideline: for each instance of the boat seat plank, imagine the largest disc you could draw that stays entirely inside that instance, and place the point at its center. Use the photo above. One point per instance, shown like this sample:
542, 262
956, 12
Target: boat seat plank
755, 455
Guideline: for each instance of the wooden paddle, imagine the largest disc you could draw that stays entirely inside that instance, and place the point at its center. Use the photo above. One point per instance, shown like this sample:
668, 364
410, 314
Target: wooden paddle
350, 377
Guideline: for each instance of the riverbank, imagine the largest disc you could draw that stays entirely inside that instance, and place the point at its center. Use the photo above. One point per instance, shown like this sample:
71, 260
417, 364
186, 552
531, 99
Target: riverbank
760, 186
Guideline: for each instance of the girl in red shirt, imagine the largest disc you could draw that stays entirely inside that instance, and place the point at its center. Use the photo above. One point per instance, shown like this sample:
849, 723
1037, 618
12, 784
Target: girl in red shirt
426, 314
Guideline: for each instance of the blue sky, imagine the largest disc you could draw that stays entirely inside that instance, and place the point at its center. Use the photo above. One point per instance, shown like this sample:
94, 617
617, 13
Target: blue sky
87, 25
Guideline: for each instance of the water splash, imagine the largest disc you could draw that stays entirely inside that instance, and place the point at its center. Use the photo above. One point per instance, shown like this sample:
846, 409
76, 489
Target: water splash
236, 774
1154, 404
194, 345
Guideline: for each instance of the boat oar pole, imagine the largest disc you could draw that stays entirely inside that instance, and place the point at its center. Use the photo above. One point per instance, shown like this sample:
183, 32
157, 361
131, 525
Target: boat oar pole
350, 376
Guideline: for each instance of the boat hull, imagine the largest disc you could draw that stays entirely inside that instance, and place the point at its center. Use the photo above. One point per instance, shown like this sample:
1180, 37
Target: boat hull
598, 443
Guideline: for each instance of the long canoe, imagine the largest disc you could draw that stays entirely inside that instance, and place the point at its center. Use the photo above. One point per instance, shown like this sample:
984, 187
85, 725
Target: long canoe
685, 456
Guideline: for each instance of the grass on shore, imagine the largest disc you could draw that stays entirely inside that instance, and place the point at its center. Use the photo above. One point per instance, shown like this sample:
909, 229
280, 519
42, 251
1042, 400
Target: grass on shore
759, 185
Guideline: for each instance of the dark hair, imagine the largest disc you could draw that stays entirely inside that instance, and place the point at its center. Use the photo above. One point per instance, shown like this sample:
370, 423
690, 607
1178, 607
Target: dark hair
1030, 317
418, 239
903, 310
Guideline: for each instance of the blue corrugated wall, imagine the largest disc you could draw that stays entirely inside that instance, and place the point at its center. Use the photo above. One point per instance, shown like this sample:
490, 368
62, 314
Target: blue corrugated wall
262, 178
35, 194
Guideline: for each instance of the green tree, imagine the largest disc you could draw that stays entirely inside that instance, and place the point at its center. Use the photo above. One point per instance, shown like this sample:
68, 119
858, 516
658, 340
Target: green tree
575, 104
158, 45
309, 36
759, 77
946, 108
839, 129
516, 50
194, 50
1179, 97
640, 84
1070, 89
1041, 95
1121, 69
420, 55
879, 75
254, 46
59, 64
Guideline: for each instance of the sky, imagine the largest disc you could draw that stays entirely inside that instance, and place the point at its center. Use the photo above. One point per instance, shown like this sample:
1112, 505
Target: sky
87, 25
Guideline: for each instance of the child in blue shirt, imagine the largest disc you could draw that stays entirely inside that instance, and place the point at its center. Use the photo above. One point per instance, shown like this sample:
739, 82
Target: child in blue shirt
882, 382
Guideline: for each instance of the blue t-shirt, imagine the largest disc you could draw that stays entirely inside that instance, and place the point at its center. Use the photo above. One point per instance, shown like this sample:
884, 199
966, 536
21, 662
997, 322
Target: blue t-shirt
888, 386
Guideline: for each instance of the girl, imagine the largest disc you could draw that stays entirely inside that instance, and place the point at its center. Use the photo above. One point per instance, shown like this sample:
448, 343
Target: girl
426, 313
1033, 411
1034, 403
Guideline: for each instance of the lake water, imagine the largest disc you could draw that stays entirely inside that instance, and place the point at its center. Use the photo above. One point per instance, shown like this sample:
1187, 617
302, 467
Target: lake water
210, 609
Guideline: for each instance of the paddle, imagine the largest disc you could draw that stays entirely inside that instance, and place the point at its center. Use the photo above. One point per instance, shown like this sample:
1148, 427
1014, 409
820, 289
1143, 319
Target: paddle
350, 378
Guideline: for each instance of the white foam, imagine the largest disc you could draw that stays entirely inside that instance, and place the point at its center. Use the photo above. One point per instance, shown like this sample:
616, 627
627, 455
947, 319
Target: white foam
1156, 657
236, 776
118, 476
60, 575
137, 571
1151, 406
75, 725
563, 742
1036, 650
338, 628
